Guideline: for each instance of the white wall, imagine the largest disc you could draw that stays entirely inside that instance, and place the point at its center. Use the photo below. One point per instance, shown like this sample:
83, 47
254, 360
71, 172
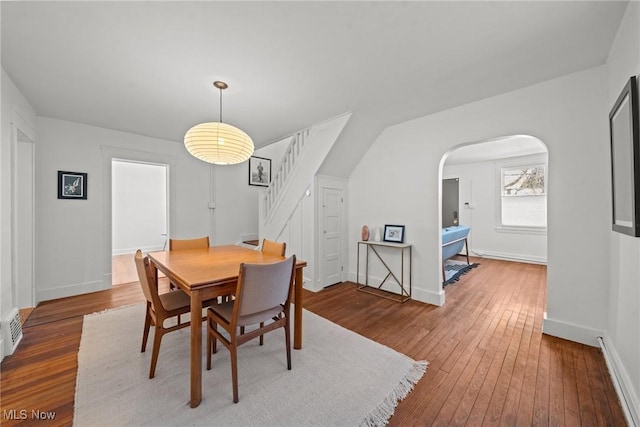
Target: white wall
623, 327
73, 237
397, 181
479, 185
139, 195
236, 202
13, 102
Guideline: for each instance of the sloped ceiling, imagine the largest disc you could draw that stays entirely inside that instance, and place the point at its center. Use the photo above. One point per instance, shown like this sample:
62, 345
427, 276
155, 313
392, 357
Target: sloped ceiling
148, 67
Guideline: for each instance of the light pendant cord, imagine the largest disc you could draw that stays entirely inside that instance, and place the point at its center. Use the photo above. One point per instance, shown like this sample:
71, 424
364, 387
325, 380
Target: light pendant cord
220, 105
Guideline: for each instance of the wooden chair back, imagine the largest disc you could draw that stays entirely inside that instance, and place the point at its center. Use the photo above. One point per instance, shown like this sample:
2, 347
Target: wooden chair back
147, 281
273, 248
180, 244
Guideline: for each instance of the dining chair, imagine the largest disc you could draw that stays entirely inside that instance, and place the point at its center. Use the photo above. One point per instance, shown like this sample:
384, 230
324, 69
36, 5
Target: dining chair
273, 248
263, 297
160, 307
181, 244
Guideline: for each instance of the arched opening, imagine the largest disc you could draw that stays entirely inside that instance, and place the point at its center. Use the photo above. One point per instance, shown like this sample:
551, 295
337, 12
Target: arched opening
501, 206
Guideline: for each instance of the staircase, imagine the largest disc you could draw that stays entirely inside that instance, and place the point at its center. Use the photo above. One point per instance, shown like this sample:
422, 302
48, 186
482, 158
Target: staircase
288, 162
295, 177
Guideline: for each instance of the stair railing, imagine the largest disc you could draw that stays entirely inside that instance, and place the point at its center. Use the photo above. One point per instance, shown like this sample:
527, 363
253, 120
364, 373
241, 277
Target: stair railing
287, 164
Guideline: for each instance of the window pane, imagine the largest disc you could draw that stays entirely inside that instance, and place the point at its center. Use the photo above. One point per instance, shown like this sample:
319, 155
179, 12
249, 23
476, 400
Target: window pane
527, 211
525, 181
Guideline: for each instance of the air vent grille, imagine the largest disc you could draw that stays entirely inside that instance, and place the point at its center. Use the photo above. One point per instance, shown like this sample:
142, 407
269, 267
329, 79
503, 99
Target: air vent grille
12, 327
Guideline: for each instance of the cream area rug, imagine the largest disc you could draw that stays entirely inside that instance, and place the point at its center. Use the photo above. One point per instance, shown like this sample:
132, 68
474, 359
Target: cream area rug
339, 378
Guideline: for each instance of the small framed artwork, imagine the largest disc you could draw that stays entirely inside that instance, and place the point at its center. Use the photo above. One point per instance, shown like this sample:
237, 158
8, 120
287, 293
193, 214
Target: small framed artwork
72, 185
624, 128
259, 171
394, 233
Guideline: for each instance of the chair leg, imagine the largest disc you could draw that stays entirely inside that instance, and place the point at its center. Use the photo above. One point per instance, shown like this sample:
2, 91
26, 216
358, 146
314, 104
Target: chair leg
209, 346
145, 333
214, 344
287, 339
157, 339
262, 336
233, 350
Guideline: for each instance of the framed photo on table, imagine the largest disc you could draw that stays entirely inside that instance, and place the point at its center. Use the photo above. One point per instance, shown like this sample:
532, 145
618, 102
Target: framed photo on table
259, 171
394, 233
72, 185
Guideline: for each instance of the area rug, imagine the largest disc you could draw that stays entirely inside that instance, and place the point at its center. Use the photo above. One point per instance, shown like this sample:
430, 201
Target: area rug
454, 269
339, 378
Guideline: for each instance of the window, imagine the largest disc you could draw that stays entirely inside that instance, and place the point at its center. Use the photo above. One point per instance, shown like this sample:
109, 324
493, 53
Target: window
524, 197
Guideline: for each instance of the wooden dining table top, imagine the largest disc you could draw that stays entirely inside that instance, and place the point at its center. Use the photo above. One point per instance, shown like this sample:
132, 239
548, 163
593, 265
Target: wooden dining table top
196, 268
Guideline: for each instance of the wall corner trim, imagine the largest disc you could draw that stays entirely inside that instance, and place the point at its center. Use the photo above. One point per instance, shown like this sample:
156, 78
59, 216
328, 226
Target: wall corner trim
429, 297
571, 332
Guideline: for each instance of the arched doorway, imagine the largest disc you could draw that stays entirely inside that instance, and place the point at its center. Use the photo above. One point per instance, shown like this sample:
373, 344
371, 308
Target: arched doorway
502, 185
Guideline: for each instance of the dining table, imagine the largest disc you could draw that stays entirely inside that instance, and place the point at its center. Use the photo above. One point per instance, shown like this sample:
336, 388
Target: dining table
207, 273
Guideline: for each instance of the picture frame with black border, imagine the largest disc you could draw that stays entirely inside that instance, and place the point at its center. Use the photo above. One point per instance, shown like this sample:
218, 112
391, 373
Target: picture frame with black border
393, 233
259, 171
624, 133
72, 185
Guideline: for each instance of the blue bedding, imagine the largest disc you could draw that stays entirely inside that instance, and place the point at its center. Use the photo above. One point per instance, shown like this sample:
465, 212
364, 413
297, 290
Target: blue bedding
451, 234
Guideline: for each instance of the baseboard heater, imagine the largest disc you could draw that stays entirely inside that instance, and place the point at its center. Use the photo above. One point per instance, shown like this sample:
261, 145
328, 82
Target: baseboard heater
12, 331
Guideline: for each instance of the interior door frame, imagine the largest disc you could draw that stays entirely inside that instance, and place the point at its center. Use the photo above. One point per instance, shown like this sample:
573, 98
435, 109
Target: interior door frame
20, 126
322, 183
109, 154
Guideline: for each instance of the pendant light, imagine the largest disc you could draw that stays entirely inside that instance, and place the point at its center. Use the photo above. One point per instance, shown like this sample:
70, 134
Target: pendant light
218, 143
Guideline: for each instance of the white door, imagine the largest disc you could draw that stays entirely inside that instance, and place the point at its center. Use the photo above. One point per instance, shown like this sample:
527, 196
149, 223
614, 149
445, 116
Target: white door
332, 202
23, 223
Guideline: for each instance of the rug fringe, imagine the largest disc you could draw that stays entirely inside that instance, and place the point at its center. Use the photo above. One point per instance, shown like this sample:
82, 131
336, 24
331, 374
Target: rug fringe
380, 416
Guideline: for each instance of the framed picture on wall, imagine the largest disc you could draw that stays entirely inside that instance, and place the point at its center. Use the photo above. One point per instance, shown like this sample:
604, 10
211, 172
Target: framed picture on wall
394, 233
624, 129
259, 171
72, 185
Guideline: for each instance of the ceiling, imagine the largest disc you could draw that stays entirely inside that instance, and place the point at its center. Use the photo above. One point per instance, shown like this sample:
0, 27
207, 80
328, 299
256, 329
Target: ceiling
148, 67
502, 148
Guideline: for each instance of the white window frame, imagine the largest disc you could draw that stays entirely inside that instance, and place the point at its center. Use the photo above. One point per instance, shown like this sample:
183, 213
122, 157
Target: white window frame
520, 163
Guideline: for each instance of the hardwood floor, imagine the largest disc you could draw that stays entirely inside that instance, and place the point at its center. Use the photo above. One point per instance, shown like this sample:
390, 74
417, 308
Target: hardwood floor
489, 363
123, 269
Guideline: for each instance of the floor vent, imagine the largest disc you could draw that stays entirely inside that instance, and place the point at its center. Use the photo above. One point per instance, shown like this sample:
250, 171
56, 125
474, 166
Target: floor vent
12, 331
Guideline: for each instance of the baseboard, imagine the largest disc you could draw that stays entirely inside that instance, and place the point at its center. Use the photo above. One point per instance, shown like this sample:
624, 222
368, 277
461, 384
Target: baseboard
430, 297
571, 332
509, 256
1, 349
69, 290
622, 382
132, 251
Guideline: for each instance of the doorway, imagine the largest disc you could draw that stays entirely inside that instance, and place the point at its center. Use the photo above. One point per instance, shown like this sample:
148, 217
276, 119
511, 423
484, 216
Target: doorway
450, 201
23, 222
332, 200
139, 214
504, 224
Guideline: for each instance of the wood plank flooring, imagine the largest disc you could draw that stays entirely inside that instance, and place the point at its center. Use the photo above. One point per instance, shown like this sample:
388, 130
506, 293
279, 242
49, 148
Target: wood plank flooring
489, 363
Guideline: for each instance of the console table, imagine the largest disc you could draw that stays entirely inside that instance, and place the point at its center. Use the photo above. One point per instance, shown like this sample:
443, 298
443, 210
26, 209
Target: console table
405, 288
